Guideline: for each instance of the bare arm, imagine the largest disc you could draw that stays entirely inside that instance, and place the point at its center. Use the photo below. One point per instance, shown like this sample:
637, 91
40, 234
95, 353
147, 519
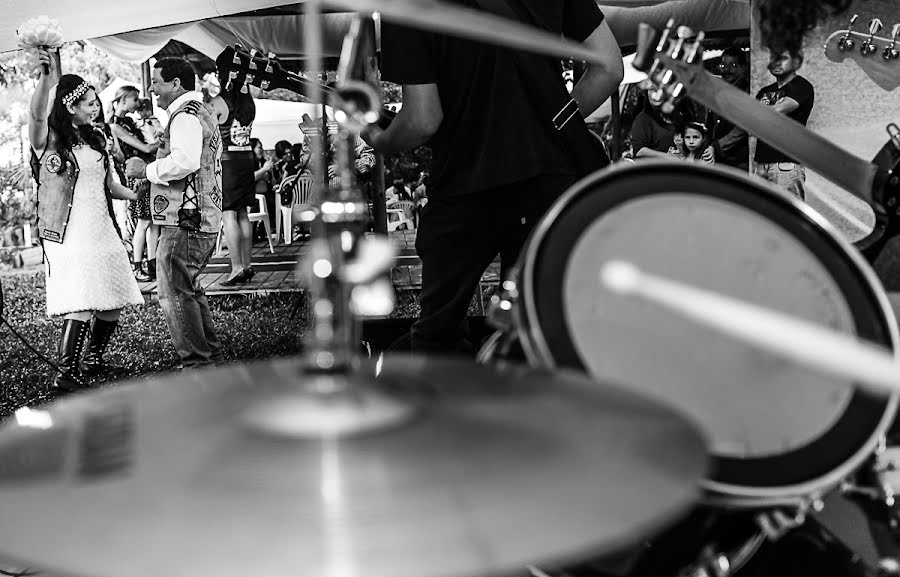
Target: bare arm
39, 110
786, 105
117, 190
129, 139
414, 125
648, 152
600, 80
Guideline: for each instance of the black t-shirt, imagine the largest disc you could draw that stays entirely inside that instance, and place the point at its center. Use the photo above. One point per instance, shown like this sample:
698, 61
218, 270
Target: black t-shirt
490, 135
800, 90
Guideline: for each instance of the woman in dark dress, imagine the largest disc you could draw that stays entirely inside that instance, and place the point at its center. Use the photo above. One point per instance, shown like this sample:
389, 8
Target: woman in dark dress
235, 112
132, 143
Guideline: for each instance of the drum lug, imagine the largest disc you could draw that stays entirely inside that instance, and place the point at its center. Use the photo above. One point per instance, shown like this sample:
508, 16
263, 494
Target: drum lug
500, 314
775, 523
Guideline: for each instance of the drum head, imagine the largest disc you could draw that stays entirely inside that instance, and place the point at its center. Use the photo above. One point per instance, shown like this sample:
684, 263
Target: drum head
776, 429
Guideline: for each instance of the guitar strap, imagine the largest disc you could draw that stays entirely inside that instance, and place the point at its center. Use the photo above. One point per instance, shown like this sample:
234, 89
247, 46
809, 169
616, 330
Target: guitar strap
549, 96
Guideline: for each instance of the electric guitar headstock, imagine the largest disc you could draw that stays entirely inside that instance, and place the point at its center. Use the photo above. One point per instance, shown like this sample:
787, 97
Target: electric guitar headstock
879, 57
249, 68
673, 61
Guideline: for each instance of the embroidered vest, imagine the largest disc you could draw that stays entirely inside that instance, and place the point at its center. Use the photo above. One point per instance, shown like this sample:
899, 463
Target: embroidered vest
56, 189
204, 185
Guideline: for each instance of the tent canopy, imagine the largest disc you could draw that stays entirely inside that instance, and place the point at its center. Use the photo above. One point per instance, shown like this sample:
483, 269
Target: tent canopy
134, 31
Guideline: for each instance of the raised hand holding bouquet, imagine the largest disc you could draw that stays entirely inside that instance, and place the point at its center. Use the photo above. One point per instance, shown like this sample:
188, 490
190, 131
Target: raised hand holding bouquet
40, 32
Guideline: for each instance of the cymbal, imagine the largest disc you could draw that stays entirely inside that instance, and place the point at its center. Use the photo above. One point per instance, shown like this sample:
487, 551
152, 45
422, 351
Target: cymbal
499, 467
472, 24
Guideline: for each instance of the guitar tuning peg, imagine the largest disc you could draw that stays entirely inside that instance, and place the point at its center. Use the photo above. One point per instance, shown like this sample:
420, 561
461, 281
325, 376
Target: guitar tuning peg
846, 43
698, 47
269, 57
890, 51
252, 65
264, 85
868, 47
232, 74
236, 59
248, 80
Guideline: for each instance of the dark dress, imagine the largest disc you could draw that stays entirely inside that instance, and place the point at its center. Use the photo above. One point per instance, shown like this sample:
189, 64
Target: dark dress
238, 164
140, 208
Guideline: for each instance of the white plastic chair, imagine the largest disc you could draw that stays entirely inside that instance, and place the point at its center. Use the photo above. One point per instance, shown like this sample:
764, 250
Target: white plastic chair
399, 213
302, 189
263, 216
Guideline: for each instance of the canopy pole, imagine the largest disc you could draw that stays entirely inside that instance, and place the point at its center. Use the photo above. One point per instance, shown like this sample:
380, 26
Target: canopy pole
146, 76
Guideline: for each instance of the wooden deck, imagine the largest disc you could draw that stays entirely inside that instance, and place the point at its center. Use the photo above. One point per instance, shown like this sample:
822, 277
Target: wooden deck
277, 272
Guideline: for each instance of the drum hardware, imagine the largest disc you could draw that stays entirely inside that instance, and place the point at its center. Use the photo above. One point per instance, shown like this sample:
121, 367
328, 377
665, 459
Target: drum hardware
846, 42
713, 563
868, 47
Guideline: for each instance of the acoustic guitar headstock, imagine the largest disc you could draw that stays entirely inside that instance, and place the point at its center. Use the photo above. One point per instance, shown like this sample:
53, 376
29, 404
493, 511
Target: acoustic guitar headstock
250, 68
877, 56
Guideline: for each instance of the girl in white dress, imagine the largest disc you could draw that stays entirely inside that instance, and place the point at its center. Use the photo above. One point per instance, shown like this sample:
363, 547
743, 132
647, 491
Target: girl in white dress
87, 269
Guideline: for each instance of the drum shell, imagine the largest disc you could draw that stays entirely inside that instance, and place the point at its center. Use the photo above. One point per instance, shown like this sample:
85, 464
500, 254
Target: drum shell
538, 343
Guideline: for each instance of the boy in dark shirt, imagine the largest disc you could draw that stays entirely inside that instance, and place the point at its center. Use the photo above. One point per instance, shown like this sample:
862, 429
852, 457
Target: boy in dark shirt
793, 96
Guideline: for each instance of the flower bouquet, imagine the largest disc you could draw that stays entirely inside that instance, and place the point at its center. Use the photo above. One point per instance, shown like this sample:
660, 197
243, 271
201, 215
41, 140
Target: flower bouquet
41, 31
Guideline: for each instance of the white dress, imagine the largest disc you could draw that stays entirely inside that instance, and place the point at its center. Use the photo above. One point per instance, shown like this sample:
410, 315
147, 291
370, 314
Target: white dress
89, 270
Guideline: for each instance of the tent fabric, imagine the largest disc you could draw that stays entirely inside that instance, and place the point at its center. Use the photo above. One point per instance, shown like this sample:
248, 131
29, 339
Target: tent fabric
133, 30
97, 18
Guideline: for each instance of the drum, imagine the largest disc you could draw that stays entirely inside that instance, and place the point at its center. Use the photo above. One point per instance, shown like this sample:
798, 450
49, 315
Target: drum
779, 433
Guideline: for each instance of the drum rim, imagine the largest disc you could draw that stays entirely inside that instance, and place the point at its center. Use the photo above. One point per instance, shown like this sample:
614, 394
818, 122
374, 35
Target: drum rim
536, 348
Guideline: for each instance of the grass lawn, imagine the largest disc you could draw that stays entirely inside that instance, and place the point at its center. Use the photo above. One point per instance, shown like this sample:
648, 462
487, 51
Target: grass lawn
249, 327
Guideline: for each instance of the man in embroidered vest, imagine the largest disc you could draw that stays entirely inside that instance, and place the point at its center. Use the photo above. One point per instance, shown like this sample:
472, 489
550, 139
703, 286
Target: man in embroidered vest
186, 199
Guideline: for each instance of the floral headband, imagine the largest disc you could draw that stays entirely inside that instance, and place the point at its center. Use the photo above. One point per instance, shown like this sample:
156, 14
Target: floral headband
79, 91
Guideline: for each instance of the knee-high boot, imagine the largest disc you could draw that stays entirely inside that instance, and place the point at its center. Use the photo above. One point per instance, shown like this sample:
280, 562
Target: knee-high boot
69, 377
101, 333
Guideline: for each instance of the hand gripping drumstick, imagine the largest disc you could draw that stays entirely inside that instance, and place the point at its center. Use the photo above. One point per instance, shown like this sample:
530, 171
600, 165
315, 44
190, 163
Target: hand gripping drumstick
818, 348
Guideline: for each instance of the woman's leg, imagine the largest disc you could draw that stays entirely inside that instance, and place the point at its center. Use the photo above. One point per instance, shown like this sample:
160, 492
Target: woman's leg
102, 329
233, 240
246, 236
139, 241
71, 341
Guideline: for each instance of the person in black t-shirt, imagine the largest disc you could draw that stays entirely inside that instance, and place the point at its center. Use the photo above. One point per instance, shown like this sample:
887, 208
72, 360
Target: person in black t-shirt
794, 96
497, 165
730, 142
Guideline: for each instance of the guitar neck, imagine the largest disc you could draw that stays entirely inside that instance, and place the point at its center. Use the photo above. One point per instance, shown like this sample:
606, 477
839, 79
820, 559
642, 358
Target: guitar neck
788, 136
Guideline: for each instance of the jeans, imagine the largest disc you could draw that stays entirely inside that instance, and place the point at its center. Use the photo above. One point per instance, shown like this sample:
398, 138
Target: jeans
180, 258
459, 236
786, 175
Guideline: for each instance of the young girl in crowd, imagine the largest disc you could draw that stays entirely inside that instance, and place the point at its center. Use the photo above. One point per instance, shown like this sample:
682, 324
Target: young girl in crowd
695, 142
87, 272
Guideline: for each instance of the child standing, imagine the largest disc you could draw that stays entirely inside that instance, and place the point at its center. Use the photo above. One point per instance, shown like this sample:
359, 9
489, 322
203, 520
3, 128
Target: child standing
695, 140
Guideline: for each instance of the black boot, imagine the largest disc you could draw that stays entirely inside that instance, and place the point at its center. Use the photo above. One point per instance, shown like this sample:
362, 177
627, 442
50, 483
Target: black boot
93, 364
151, 268
69, 378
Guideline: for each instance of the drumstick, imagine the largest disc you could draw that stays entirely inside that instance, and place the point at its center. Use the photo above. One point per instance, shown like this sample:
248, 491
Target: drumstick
818, 348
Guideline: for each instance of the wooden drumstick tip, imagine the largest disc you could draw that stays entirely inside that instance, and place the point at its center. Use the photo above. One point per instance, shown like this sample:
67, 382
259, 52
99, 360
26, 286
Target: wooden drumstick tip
620, 277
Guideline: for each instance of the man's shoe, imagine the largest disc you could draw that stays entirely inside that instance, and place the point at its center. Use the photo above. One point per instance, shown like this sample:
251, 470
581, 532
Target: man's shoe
93, 363
69, 378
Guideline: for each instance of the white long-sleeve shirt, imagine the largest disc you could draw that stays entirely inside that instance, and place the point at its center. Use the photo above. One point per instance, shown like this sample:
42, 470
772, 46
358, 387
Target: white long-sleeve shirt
185, 145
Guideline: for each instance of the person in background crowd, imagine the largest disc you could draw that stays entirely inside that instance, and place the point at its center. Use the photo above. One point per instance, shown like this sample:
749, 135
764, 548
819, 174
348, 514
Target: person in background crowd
236, 111
88, 280
793, 96
731, 143
132, 143
282, 157
264, 176
186, 185
149, 124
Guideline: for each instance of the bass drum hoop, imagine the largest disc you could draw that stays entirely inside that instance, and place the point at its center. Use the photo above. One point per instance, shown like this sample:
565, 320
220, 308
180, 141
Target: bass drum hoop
625, 180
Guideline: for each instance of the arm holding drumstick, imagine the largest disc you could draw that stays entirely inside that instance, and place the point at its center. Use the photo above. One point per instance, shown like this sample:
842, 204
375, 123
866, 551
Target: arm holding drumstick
801, 341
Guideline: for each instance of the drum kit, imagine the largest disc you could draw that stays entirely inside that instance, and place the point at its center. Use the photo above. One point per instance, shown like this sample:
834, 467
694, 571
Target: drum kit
632, 432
